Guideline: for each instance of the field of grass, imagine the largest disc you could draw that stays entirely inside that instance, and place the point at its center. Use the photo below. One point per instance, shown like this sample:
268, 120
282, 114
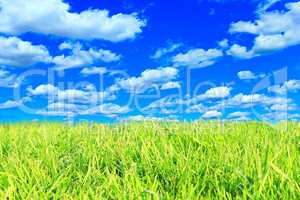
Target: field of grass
150, 160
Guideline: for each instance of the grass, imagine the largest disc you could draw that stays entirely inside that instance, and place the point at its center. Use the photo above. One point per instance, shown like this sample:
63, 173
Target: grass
151, 160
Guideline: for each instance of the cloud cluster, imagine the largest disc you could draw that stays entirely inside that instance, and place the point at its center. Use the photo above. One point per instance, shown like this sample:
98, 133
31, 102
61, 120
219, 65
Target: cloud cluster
148, 78
290, 85
170, 85
246, 75
166, 50
211, 114
80, 57
54, 17
71, 102
7, 78
85, 95
273, 30
19, 53
197, 58
93, 70
10, 104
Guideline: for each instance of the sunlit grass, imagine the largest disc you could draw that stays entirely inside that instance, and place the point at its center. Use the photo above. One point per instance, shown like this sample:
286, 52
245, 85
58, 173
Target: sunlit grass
151, 160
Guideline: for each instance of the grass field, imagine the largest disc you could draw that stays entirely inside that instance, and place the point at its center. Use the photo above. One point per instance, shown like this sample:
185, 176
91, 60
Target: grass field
150, 160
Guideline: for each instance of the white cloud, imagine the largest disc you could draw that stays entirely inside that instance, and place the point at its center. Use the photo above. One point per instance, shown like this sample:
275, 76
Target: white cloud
146, 118
81, 57
54, 113
147, 79
163, 51
60, 106
211, 114
43, 90
283, 107
14, 103
135, 118
217, 92
62, 109
291, 85
54, 17
273, 30
275, 116
7, 79
239, 52
197, 58
18, 53
265, 5
223, 43
71, 109
213, 93
65, 45
93, 70
199, 108
166, 105
252, 100
10, 104
245, 99
54, 93
107, 109
246, 75
239, 115
170, 85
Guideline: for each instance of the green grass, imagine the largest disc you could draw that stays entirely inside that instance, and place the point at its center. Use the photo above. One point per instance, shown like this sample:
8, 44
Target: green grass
150, 160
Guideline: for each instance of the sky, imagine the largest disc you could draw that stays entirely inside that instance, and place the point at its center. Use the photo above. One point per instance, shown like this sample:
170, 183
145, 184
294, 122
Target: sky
117, 61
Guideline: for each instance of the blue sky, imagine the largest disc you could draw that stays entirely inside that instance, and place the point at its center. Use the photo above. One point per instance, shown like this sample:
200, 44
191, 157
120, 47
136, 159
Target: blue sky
112, 61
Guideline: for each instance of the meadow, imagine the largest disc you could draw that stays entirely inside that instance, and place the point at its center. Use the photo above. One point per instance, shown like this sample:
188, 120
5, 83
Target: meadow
150, 160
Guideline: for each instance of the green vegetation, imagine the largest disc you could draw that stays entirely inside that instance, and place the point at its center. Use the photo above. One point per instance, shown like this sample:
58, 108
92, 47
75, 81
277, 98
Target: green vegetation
151, 160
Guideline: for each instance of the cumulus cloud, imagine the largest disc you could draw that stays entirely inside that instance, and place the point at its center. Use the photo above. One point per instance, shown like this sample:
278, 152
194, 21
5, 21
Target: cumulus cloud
62, 109
93, 70
265, 5
80, 57
107, 109
43, 90
211, 114
10, 104
290, 85
72, 102
239, 115
147, 118
213, 93
273, 30
65, 45
135, 118
283, 107
54, 93
217, 92
71, 109
7, 78
14, 103
246, 75
18, 53
244, 101
166, 50
170, 85
199, 108
166, 105
148, 78
197, 58
54, 17
223, 43
175, 104
240, 52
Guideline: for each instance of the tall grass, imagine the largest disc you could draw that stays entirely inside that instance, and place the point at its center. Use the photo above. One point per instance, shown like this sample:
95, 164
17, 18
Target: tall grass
150, 160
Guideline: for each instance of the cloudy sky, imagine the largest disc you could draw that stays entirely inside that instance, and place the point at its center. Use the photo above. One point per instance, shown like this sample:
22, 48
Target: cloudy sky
113, 60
